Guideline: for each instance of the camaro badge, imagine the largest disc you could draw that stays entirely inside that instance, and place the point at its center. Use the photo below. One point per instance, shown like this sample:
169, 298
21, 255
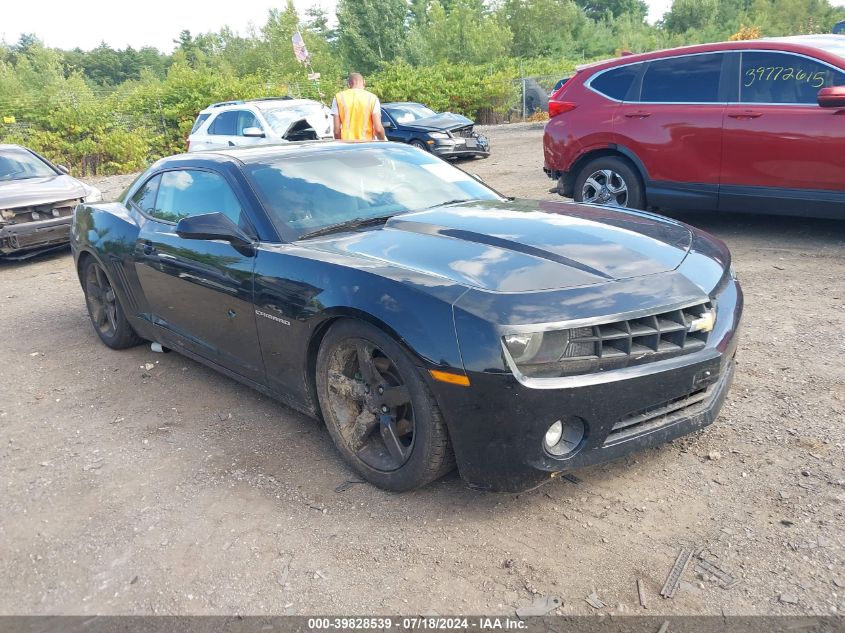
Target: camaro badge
272, 318
704, 323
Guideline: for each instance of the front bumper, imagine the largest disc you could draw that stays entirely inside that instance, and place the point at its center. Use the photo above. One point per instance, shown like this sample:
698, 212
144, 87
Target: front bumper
497, 426
460, 147
27, 236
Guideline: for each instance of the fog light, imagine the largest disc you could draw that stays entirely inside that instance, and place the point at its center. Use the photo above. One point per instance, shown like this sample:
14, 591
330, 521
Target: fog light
565, 437
553, 434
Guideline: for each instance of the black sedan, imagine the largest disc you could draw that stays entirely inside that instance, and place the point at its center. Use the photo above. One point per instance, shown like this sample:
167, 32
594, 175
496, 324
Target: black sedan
37, 199
428, 320
445, 134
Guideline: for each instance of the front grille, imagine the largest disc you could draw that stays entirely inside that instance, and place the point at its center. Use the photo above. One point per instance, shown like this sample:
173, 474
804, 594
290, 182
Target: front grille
465, 132
37, 213
633, 342
659, 415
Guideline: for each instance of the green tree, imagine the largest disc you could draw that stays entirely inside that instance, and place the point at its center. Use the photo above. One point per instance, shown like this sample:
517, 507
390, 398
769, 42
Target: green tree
598, 9
371, 32
791, 17
542, 27
687, 15
466, 34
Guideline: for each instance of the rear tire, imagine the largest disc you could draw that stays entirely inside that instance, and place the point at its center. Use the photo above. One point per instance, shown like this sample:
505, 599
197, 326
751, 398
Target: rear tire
378, 410
610, 181
107, 316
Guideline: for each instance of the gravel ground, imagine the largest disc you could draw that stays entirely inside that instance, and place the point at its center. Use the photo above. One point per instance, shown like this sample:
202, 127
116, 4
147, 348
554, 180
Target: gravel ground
174, 490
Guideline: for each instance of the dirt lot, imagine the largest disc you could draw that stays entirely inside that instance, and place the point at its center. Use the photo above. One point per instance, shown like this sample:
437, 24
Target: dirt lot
176, 490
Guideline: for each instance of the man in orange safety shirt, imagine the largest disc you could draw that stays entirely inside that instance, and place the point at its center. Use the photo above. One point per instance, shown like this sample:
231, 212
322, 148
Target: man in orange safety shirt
357, 112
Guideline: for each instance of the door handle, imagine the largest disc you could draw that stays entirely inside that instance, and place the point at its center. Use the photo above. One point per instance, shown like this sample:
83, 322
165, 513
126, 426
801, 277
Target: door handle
148, 248
745, 115
638, 115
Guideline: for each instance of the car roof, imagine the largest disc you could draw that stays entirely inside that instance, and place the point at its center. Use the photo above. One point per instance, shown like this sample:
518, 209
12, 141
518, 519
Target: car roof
828, 44
403, 103
263, 153
270, 103
13, 146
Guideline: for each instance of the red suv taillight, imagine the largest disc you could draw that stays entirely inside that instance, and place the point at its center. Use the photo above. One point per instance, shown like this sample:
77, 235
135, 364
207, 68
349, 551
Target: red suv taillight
559, 107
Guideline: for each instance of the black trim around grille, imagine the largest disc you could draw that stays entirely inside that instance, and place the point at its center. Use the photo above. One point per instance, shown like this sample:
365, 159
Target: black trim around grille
628, 343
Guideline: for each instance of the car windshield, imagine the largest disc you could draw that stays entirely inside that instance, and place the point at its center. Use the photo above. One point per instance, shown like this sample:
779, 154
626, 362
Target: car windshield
19, 164
280, 119
304, 192
409, 112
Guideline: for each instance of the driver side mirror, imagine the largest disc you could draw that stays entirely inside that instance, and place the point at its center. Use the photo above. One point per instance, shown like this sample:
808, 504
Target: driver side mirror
63, 169
832, 97
213, 226
386, 124
255, 132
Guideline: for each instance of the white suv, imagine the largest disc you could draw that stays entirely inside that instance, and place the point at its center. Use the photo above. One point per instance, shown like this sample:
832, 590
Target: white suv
260, 122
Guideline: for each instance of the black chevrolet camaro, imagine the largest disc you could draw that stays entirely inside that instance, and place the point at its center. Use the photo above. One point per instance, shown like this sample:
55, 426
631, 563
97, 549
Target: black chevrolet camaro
428, 320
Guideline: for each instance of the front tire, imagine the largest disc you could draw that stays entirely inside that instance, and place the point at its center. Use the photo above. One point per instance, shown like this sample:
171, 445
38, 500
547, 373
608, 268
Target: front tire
378, 410
104, 308
418, 144
610, 181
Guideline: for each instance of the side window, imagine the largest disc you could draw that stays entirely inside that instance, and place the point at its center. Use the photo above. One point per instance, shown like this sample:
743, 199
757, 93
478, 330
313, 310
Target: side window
186, 192
772, 77
616, 82
145, 197
246, 119
225, 124
200, 120
687, 79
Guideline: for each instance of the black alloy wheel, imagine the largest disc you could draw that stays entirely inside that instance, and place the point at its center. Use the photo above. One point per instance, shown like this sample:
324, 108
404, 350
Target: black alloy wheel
105, 310
379, 412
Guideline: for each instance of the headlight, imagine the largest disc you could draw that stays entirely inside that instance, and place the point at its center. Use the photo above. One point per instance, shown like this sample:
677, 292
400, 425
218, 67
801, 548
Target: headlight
438, 135
94, 195
537, 348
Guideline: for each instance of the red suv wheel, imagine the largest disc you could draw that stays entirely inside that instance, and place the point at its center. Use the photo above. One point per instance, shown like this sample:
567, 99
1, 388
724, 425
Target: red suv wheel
610, 181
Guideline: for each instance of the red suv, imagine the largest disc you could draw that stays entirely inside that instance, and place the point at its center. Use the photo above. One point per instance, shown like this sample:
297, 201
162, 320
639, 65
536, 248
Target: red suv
740, 126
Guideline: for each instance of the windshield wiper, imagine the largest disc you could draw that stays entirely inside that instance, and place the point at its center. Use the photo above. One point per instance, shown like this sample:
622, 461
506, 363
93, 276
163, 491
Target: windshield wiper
443, 204
354, 223
10, 174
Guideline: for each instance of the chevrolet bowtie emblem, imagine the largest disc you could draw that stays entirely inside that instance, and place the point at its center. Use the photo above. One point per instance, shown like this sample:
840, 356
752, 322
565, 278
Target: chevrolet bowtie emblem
704, 323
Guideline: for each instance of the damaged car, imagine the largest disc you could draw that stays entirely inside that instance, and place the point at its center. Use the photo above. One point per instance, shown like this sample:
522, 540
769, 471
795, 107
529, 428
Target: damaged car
428, 320
444, 134
264, 121
37, 199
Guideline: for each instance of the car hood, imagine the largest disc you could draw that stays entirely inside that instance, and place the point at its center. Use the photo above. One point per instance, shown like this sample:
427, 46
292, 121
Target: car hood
522, 245
442, 121
321, 122
43, 190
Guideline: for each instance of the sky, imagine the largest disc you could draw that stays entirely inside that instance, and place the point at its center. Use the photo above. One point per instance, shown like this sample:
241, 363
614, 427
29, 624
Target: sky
86, 23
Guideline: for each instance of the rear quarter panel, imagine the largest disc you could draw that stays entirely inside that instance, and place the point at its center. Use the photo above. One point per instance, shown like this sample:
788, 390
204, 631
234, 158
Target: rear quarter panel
588, 127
